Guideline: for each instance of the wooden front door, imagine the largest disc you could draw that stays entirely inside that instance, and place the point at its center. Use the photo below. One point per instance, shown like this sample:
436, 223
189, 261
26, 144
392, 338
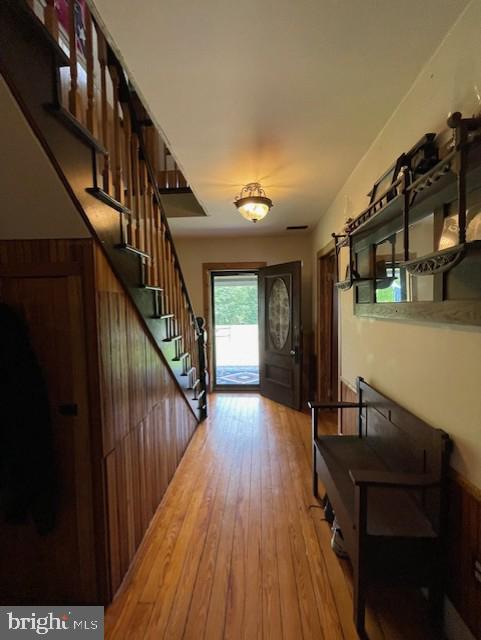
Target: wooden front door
280, 330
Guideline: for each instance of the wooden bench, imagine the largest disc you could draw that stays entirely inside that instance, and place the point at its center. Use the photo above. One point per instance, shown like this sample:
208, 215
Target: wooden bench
387, 487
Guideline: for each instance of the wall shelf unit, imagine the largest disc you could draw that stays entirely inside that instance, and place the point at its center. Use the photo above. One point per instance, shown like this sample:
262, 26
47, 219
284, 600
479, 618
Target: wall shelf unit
419, 241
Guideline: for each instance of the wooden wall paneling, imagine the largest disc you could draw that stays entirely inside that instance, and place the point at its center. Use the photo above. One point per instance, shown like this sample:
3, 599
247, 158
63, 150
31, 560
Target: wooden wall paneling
155, 426
82, 453
161, 452
464, 547
113, 367
116, 572
136, 344
99, 503
148, 494
122, 506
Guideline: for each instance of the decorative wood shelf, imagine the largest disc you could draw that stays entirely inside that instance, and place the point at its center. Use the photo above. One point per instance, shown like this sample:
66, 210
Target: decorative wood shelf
373, 217
409, 199
344, 285
440, 261
440, 183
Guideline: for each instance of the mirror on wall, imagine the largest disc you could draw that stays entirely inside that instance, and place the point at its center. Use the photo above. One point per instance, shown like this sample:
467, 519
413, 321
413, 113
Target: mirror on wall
393, 282
390, 277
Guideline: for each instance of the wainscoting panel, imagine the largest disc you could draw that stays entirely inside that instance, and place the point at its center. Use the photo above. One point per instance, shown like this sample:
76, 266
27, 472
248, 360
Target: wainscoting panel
464, 533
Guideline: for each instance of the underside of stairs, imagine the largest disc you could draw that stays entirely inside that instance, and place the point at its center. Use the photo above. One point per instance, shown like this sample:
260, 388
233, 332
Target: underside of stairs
115, 189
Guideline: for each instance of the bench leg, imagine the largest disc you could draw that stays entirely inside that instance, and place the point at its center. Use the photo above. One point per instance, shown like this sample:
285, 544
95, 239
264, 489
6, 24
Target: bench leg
315, 489
359, 563
359, 601
436, 601
315, 477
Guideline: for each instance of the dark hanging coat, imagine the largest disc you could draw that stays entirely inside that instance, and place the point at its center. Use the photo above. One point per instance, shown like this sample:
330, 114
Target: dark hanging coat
27, 469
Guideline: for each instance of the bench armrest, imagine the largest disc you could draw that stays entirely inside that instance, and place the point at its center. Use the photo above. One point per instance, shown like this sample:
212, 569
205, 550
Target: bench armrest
371, 478
334, 405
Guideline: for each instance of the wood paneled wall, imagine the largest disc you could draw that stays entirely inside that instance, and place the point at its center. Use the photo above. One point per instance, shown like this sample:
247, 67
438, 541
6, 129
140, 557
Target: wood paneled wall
146, 421
464, 548
464, 533
118, 454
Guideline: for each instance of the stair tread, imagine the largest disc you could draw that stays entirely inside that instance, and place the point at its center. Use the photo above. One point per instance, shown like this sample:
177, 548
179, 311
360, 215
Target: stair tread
107, 199
181, 356
128, 247
76, 127
60, 56
173, 338
150, 287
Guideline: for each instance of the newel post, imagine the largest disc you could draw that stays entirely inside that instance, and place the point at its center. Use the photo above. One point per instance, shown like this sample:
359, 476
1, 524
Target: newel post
203, 373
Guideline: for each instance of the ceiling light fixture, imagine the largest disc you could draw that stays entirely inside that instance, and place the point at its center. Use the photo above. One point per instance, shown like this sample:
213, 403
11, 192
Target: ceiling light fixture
252, 202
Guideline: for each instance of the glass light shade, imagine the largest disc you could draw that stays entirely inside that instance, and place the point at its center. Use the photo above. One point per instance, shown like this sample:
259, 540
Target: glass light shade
252, 210
252, 202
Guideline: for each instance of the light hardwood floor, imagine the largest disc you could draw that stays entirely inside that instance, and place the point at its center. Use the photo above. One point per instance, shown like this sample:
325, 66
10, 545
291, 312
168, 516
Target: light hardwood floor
235, 549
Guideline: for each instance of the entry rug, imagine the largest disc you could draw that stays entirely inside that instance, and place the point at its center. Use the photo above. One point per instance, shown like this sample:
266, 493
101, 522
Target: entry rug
21, 623
237, 375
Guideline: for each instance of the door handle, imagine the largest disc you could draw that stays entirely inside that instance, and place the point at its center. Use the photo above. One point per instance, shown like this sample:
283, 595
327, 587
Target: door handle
295, 353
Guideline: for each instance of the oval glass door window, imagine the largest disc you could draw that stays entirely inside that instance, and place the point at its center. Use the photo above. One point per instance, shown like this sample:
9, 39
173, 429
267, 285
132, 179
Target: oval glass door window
279, 313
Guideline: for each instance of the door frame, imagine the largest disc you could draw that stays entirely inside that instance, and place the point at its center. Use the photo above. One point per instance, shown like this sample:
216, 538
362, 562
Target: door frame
207, 269
327, 251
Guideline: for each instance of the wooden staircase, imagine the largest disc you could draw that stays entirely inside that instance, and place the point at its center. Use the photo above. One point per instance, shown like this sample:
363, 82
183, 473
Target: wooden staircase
113, 163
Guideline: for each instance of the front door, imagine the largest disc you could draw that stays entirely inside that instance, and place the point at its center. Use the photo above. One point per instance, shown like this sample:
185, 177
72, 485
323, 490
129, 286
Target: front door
280, 333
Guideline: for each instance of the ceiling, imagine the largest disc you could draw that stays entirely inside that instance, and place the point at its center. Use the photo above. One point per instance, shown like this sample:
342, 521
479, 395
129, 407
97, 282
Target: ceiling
286, 93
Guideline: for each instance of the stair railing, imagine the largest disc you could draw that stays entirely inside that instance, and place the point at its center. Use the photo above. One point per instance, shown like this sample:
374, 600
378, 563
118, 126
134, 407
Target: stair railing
132, 166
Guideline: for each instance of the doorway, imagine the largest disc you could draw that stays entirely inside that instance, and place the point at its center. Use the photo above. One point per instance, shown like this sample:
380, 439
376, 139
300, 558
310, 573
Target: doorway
235, 330
327, 328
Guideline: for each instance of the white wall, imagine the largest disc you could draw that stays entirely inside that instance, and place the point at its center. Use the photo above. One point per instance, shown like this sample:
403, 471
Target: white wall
433, 370
193, 252
35, 203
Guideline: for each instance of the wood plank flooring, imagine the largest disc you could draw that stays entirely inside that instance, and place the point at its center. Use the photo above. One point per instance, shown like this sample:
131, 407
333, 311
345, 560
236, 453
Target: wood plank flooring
235, 550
